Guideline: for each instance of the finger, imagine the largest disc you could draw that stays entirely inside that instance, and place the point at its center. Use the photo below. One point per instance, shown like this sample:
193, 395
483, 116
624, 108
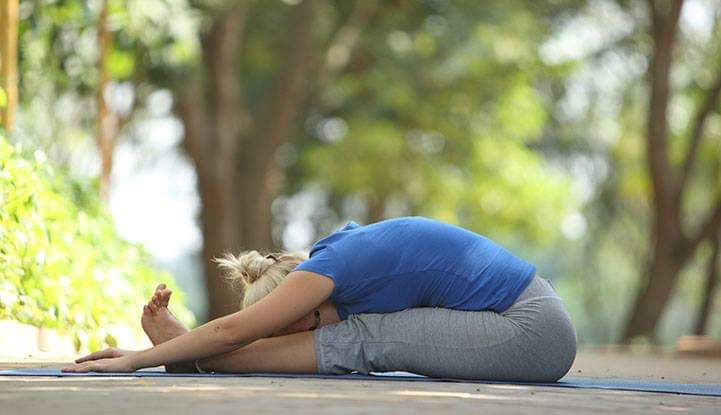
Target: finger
95, 356
84, 367
146, 310
84, 358
153, 308
76, 368
160, 287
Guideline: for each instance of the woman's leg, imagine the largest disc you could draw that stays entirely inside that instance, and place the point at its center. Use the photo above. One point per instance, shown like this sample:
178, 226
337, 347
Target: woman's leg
286, 353
293, 353
533, 340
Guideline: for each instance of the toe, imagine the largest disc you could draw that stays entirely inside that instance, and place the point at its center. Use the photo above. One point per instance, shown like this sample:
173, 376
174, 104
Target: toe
165, 297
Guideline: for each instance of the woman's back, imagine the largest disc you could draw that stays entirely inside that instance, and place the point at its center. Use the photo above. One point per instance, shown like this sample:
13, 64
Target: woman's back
410, 262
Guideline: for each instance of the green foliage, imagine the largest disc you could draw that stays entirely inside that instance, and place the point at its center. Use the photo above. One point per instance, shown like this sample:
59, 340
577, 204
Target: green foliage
442, 113
63, 264
445, 108
153, 45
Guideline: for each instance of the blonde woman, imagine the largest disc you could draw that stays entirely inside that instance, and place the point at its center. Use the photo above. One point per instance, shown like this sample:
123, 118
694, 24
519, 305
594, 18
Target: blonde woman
409, 294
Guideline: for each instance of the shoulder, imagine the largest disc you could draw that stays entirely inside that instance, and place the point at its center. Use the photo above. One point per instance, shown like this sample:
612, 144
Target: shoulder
324, 259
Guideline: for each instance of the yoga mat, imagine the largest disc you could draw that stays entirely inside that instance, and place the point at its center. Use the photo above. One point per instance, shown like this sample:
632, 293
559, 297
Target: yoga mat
566, 382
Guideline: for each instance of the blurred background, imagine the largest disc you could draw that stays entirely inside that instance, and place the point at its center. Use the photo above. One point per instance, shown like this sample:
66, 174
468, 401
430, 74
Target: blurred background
142, 138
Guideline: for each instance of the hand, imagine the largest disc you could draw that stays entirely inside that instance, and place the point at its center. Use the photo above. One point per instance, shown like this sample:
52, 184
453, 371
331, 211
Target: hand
108, 360
108, 353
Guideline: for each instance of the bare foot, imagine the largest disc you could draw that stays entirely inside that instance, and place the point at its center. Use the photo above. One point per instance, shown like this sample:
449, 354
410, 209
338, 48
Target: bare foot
158, 322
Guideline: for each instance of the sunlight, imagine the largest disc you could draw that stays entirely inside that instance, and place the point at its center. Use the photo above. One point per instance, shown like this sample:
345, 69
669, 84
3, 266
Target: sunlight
461, 395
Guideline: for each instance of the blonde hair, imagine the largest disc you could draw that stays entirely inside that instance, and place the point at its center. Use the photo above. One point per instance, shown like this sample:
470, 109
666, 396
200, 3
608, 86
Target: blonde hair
256, 275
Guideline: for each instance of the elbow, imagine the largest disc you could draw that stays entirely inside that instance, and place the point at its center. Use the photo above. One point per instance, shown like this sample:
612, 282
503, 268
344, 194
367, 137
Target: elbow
235, 330
228, 336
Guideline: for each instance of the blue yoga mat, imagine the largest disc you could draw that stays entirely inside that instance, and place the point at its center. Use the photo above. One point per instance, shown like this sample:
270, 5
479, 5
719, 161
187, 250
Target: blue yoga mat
567, 382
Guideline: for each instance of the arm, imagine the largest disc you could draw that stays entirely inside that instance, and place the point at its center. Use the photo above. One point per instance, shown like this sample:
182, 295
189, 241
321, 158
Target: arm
291, 352
296, 296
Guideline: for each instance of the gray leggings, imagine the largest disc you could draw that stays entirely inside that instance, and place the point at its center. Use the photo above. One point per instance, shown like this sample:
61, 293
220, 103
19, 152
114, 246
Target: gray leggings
533, 340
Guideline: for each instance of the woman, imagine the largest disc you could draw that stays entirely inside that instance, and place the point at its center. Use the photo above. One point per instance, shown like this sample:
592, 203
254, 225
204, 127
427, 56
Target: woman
409, 294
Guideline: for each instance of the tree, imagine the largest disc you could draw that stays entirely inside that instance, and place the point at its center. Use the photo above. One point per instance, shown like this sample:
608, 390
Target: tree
8, 61
441, 113
239, 115
673, 245
709, 288
107, 134
98, 62
233, 144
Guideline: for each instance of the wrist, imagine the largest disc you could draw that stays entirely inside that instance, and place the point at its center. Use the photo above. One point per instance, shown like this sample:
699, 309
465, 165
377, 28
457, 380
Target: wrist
136, 360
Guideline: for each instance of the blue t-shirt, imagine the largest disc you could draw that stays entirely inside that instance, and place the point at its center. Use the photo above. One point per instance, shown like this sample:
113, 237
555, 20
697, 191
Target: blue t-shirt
409, 262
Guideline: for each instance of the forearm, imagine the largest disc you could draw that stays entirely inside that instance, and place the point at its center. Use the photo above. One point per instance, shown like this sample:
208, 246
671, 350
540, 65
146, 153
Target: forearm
212, 338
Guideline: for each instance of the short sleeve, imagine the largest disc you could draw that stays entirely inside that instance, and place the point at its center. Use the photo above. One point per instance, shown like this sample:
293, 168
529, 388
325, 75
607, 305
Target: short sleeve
325, 261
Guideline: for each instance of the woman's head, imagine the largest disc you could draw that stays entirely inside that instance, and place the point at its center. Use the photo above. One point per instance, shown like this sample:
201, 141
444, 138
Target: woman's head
255, 274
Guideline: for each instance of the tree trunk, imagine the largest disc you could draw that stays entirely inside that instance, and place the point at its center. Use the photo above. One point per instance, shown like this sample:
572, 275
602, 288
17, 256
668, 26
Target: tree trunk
237, 175
672, 247
233, 155
709, 291
105, 129
9, 60
660, 279
666, 260
213, 217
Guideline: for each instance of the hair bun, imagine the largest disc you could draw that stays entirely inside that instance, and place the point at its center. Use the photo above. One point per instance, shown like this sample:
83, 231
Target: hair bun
247, 267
